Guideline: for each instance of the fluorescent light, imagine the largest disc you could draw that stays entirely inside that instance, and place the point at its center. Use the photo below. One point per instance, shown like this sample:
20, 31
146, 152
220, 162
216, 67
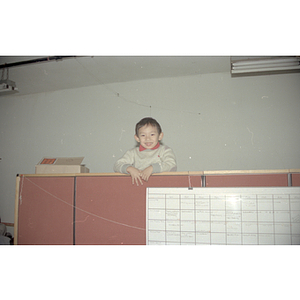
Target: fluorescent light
270, 69
265, 66
262, 66
267, 61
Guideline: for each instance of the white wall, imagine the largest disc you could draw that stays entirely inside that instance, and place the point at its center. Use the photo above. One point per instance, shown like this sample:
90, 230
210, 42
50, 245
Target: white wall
212, 122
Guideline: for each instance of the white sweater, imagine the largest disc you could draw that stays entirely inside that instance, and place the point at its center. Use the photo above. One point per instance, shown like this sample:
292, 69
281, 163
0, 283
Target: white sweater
162, 159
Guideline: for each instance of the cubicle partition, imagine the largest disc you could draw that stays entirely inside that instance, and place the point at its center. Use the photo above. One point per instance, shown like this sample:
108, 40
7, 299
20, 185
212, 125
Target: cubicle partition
295, 178
44, 210
87, 209
106, 208
232, 179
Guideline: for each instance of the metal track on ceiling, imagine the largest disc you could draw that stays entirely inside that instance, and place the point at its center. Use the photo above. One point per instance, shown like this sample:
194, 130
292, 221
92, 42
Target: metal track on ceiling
34, 61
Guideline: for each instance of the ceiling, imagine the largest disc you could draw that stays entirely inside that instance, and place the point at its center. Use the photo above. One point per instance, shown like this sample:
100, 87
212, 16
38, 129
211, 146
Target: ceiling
68, 73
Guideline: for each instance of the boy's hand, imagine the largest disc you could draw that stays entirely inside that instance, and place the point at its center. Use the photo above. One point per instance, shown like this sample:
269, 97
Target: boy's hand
135, 175
145, 174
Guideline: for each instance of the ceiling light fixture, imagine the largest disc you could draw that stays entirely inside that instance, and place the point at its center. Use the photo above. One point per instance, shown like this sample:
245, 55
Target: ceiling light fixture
7, 87
275, 65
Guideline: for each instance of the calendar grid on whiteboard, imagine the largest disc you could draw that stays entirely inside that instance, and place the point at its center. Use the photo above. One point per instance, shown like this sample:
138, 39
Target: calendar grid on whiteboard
225, 216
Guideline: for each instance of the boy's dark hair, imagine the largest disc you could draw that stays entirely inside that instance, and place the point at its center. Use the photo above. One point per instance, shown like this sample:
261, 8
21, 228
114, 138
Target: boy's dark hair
147, 121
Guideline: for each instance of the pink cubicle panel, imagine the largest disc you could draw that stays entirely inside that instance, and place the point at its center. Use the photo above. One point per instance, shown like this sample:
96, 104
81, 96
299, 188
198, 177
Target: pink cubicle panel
253, 180
295, 179
112, 211
45, 211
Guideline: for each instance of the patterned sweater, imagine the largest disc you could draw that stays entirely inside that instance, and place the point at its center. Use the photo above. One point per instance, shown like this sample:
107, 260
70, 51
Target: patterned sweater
162, 159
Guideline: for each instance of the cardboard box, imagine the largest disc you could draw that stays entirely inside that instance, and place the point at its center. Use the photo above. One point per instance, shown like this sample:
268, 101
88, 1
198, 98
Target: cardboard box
56, 165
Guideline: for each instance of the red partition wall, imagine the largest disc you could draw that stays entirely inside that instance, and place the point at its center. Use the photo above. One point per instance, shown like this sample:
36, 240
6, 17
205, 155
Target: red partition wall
112, 211
45, 211
253, 180
105, 209
295, 179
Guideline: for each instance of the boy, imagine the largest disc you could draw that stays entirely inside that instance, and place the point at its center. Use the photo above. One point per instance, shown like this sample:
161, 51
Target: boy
150, 157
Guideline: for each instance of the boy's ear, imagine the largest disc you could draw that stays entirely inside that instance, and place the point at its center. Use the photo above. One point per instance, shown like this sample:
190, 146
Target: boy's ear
136, 138
161, 136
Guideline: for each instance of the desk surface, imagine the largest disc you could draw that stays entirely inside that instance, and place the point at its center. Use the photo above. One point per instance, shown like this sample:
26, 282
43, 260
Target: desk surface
185, 173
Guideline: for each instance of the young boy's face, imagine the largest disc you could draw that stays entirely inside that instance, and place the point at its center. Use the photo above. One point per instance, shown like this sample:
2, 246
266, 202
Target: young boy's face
148, 136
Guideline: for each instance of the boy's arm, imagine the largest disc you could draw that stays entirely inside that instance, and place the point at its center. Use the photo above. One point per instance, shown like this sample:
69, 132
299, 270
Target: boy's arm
135, 175
124, 162
146, 173
167, 162
125, 165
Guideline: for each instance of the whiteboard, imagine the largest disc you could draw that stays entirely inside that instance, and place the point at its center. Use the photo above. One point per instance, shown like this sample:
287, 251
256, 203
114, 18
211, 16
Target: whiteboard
223, 216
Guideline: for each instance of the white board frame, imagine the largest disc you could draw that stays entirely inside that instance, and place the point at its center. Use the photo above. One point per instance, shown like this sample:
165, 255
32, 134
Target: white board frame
223, 216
